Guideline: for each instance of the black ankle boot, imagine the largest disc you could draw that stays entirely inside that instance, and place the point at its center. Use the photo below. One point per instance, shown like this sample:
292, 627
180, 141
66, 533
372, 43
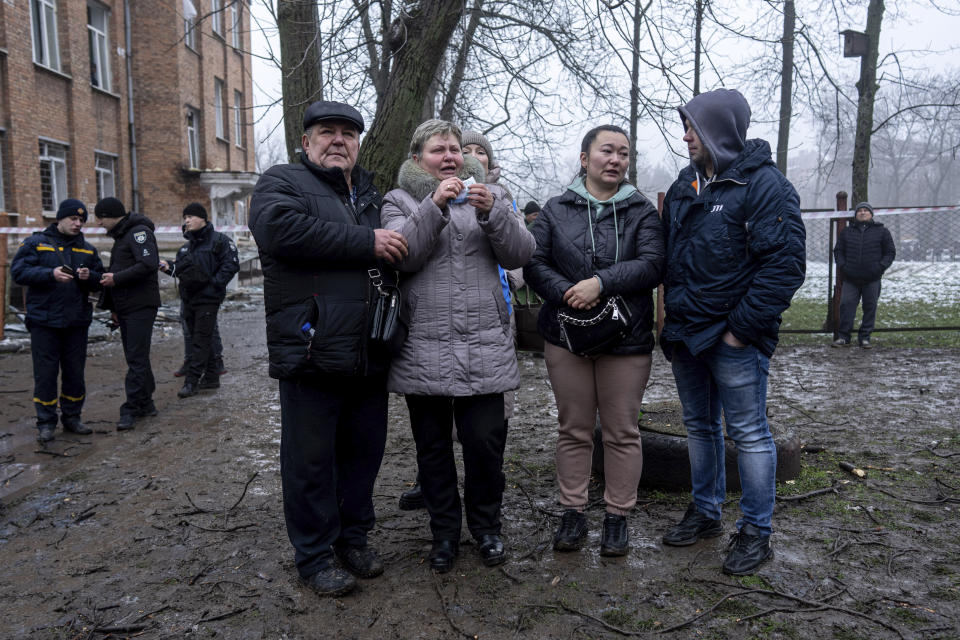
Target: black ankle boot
412, 499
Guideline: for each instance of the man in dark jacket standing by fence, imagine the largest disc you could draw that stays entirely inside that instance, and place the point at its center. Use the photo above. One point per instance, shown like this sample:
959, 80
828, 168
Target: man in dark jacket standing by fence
204, 266
60, 269
864, 251
735, 257
317, 226
132, 293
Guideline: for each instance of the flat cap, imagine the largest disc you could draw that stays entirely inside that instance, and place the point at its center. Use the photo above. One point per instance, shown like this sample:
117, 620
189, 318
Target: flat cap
328, 110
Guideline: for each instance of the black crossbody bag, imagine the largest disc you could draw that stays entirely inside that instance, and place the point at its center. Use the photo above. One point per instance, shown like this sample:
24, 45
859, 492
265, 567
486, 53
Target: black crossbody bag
387, 328
587, 332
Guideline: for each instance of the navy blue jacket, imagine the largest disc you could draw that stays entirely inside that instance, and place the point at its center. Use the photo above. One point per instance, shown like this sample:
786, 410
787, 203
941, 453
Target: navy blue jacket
204, 266
735, 253
626, 252
864, 251
51, 303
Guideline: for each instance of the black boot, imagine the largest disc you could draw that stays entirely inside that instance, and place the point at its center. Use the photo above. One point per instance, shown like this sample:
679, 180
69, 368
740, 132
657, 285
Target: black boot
572, 532
443, 555
749, 549
74, 425
209, 381
183, 370
126, 422
46, 432
691, 528
188, 389
331, 581
412, 499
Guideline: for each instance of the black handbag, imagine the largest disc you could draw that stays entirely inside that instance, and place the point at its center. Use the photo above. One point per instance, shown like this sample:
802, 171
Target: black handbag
587, 332
387, 327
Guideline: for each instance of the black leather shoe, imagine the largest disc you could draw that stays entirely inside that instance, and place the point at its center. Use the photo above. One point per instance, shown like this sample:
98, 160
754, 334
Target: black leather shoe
694, 526
182, 371
491, 550
362, 562
77, 427
188, 389
209, 381
572, 532
443, 555
614, 540
147, 412
46, 433
331, 581
412, 499
749, 550
126, 423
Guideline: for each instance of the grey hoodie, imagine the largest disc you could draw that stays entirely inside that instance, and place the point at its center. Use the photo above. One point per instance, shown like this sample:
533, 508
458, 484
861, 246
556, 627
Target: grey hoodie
720, 118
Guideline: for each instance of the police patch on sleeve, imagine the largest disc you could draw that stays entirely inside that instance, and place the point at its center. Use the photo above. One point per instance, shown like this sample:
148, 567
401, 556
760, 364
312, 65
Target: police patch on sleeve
140, 237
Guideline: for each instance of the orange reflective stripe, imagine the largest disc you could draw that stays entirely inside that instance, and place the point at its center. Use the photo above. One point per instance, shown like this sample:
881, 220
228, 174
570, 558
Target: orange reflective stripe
40, 247
83, 250
46, 404
71, 398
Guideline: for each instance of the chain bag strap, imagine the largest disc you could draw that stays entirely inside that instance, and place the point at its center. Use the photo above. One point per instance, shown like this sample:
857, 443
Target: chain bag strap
587, 332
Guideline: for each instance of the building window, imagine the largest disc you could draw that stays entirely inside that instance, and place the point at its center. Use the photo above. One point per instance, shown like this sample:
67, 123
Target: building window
218, 104
235, 22
43, 20
238, 118
97, 21
190, 24
53, 174
105, 166
216, 16
193, 148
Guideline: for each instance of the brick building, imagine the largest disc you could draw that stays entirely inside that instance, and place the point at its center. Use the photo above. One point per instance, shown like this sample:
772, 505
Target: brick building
78, 76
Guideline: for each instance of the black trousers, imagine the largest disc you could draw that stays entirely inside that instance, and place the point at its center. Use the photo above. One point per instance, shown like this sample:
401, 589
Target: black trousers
136, 332
188, 339
483, 435
333, 433
202, 321
55, 351
850, 297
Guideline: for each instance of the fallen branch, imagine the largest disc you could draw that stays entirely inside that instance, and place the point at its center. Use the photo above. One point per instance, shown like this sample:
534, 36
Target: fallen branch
711, 609
130, 628
240, 499
230, 530
55, 454
224, 615
602, 622
809, 494
443, 606
941, 500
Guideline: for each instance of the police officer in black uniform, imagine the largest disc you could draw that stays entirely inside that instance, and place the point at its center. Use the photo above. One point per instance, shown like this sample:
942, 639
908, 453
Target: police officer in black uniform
59, 269
204, 266
132, 292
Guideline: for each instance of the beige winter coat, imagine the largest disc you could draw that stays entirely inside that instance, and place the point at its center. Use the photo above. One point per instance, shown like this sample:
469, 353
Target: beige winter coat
460, 342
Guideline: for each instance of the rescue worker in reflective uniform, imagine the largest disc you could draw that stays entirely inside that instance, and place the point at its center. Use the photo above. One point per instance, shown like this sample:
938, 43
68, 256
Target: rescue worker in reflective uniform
59, 269
204, 266
132, 293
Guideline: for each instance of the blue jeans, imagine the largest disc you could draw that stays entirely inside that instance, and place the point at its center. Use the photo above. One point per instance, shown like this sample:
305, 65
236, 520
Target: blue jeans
729, 382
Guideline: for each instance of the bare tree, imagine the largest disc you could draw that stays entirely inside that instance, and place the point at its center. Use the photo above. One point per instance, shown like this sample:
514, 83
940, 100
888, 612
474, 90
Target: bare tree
302, 83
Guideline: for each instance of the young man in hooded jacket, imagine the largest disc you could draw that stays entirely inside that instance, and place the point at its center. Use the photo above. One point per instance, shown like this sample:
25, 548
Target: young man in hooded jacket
864, 251
204, 267
132, 293
735, 256
60, 269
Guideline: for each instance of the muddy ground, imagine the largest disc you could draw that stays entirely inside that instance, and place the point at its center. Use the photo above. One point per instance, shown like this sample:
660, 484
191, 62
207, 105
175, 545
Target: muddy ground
175, 529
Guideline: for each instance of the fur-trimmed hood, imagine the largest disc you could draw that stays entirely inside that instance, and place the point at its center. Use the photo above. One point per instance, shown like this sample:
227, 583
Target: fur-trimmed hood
420, 184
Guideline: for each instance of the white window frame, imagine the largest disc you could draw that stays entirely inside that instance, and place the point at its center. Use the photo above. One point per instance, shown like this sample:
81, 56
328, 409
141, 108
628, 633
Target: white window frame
238, 118
43, 28
218, 104
105, 167
190, 24
216, 17
193, 138
54, 157
99, 47
236, 13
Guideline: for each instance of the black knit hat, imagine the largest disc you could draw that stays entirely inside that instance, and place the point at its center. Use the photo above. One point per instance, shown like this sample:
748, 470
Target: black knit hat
72, 207
196, 210
109, 208
327, 110
531, 207
863, 205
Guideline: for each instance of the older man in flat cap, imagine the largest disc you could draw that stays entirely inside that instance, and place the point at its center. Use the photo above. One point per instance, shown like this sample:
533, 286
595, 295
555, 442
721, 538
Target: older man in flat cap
317, 226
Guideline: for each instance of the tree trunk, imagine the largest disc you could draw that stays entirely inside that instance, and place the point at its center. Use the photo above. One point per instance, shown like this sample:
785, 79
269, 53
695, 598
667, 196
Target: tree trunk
697, 41
867, 88
302, 81
786, 85
460, 66
635, 90
429, 26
